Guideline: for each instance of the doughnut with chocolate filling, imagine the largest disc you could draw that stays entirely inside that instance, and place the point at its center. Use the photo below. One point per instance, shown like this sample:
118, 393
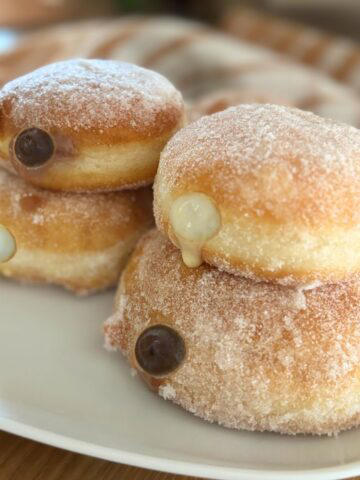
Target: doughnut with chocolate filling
87, 125
78, 241
255, 356
264, 191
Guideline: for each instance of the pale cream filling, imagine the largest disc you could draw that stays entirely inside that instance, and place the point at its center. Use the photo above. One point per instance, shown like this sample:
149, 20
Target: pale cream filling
194, 219
7, 244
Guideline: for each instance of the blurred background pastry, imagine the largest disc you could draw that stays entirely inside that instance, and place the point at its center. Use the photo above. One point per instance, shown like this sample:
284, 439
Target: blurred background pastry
26, 14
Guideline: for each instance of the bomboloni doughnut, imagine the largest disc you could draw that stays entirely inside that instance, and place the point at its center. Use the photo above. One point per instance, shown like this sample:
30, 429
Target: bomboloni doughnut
79, 241
265, 191
255, 356
87, 125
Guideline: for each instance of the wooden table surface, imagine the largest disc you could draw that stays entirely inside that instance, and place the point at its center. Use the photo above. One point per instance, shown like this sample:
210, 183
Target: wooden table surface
22, 459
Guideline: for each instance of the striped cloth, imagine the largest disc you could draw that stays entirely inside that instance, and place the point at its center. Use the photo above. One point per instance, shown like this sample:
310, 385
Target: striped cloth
338, 57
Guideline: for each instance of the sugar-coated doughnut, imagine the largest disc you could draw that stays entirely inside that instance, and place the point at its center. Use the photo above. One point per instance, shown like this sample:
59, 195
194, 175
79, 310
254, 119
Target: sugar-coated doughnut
78, 241
87, 125
7, 244
265, 191
255, 356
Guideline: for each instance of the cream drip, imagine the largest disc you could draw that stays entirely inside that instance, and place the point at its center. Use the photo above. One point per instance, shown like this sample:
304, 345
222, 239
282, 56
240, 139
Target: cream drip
7, 244
194, 219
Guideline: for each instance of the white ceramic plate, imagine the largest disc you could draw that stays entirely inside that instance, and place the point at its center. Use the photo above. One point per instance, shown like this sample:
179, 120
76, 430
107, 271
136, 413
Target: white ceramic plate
59, 386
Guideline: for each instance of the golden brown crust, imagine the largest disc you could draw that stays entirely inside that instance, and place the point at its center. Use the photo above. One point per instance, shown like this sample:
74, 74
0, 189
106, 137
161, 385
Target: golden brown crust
269, 161
77, 240
259, 356
99, 113
116, 101
76, 169
78, 283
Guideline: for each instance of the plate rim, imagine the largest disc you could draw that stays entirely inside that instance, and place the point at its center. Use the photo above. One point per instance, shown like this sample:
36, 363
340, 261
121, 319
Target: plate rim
180, 467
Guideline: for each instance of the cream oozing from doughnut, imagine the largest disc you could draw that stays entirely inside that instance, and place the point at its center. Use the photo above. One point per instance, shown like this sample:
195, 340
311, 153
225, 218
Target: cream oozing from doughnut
194, 219
87, 125
7, 244
259, 356
286, 184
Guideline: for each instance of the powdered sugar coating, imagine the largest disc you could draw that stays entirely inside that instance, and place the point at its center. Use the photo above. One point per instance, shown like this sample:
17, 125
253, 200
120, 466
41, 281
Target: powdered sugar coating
259, 356
38, 213
92, 95
267, 160
79, 241
286, 184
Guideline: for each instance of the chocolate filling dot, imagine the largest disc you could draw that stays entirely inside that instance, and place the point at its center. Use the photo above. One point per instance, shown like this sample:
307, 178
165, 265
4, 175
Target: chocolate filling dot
33, 147
159, 350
